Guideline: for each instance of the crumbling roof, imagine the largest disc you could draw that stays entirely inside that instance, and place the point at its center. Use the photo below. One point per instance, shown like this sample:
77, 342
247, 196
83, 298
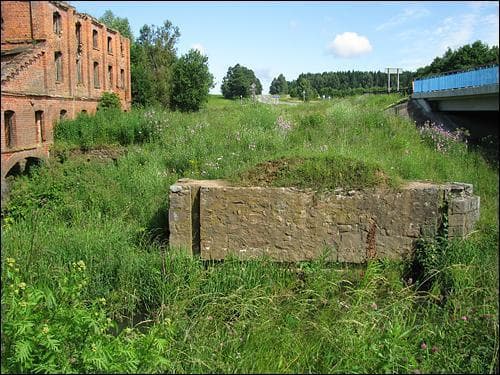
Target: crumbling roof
16, 59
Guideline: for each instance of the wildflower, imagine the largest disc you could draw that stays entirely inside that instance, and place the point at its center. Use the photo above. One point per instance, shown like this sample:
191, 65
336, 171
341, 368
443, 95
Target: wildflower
323, 148
252, 146
102, 300
81, 265
423, 345
464, 318
10, 262
22, 285
283, 124
374, 306
434, 349
45, 329
93, 348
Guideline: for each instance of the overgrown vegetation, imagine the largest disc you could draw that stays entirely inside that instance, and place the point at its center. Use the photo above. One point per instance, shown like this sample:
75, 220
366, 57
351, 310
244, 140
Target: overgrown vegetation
109, 100
89, 283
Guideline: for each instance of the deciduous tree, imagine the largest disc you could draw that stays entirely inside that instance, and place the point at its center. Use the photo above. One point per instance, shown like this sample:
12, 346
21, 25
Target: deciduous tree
191, 81
238, 81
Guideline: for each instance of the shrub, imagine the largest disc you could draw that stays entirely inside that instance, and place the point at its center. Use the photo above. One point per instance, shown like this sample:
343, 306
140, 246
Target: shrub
109, 100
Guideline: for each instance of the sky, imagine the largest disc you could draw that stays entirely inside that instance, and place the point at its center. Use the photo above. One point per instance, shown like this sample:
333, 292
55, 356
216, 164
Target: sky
294, 37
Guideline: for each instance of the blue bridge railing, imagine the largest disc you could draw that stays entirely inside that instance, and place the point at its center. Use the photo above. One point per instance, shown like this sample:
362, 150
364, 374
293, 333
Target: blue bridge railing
472, 78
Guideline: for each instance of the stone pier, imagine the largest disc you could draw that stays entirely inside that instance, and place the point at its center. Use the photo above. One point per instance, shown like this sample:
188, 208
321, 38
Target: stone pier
213, 219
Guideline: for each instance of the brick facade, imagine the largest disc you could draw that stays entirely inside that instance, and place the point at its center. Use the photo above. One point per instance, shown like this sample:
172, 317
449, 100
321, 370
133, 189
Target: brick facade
51, 55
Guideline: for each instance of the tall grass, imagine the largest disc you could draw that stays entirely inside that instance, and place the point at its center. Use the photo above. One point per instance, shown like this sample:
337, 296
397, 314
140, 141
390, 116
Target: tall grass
437, 314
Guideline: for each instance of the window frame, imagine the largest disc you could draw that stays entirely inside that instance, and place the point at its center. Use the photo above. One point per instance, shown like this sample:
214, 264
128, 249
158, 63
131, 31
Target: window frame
9, 118
95, 39
40, 126
57, 23
58, 66
97, 79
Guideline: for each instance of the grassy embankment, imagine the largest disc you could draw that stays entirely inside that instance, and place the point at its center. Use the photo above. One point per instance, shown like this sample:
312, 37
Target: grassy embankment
83, 245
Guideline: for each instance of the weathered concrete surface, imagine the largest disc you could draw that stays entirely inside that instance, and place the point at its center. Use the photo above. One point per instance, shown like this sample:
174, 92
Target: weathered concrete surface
214, 219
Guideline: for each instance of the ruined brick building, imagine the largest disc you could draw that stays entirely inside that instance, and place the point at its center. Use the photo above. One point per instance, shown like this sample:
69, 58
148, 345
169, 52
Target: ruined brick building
56, 63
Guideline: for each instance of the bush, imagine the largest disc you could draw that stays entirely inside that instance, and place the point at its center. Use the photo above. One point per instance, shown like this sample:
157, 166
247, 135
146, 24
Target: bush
109, 100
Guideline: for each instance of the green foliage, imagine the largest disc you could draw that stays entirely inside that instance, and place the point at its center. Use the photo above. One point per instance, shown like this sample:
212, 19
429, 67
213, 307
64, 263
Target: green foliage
152, 60
109, 100
303, 89
61, 330
191, 82
237, 82
111, 127
279, 86
120, 24
466, 57
108, 207
341, 84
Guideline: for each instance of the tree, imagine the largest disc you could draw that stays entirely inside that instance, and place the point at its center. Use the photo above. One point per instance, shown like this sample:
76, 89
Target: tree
156, 54
191, 81
120, 24
238, 81
279, 86
305, 88
465, 57
141, 76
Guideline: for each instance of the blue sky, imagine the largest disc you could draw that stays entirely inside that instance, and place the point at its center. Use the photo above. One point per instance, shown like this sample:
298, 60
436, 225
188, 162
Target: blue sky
274, 37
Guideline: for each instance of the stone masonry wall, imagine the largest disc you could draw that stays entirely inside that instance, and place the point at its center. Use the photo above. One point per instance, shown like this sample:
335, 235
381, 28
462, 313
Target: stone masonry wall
213, 219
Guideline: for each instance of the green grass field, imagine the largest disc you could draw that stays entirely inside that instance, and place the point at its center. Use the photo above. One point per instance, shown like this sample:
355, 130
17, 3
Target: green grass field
90, 285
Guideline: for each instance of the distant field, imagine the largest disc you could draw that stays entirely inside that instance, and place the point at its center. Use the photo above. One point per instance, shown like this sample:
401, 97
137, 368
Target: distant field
89, 283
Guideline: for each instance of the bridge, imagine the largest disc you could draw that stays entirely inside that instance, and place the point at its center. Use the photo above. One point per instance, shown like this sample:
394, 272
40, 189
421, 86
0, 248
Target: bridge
473, 90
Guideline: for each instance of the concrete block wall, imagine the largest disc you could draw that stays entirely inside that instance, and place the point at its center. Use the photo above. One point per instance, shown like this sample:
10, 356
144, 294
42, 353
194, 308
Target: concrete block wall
213, 219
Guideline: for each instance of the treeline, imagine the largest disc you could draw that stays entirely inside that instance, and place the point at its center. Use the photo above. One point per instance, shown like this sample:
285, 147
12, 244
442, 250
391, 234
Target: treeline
466, 57
335, 84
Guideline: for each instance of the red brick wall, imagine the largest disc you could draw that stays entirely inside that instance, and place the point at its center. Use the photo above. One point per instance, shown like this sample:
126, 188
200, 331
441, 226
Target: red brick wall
30, 79
25, 107
16, 21
17, 27
34, 87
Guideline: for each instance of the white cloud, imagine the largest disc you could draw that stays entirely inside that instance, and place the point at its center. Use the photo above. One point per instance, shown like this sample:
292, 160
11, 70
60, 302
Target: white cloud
407, 14
199, 47
454, 32
349, 44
